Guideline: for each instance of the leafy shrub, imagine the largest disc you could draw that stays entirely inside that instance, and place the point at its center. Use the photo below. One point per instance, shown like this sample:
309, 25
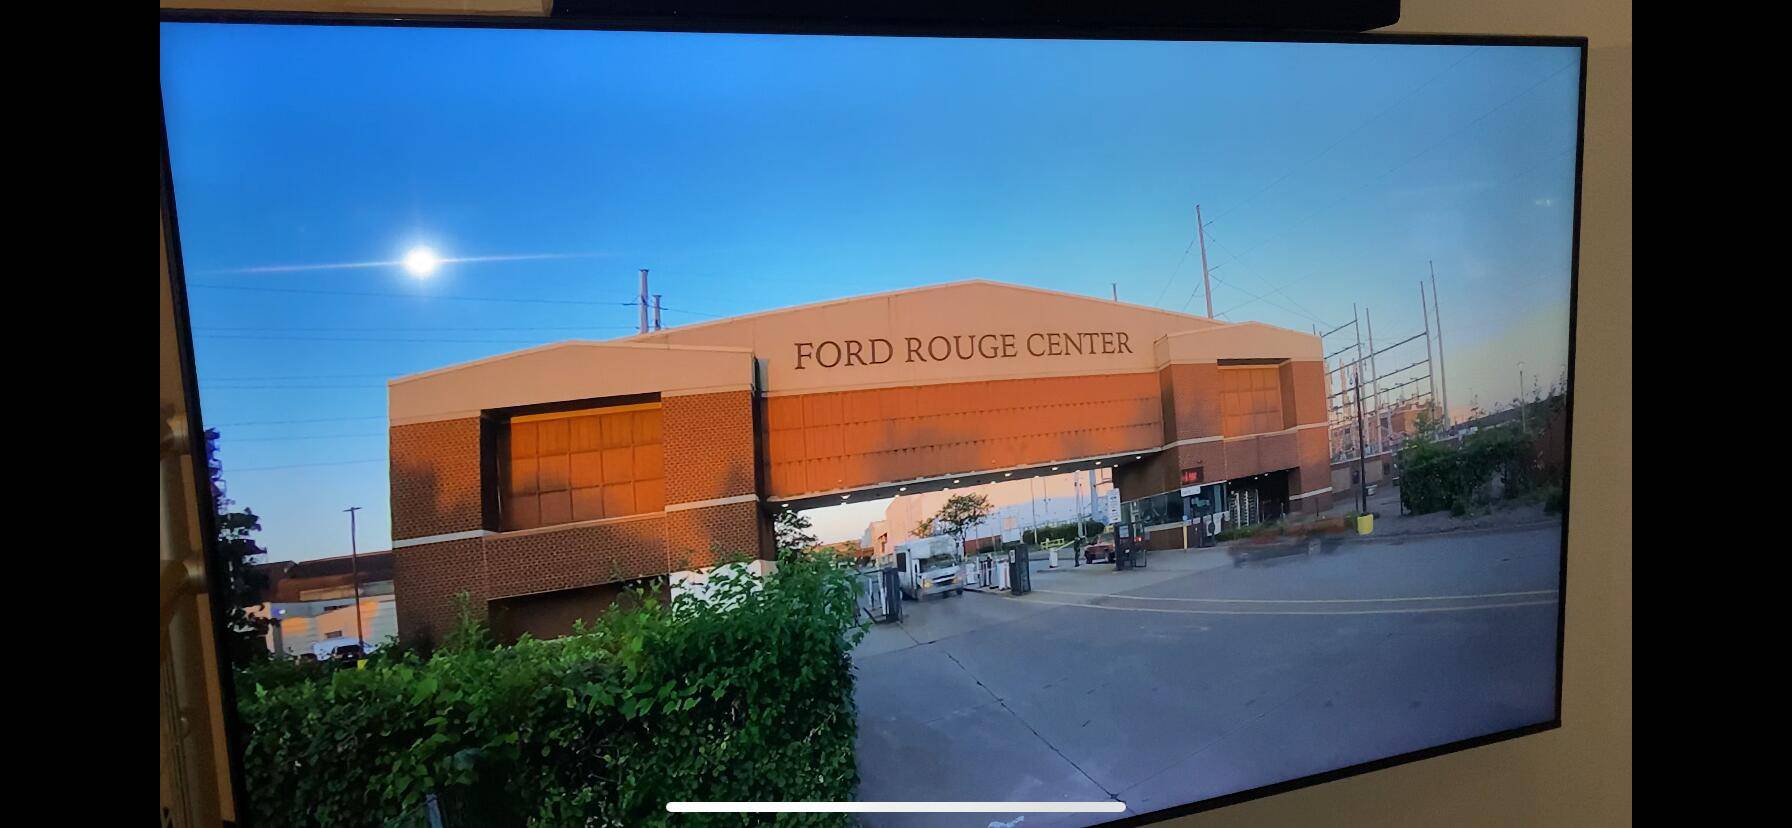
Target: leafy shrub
744, 693
1061, 532
1555, 500
1437, 476
1251, 531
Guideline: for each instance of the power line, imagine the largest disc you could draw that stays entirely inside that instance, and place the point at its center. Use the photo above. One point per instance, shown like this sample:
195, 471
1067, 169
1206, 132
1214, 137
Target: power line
1178, 270
1354, 130
293, 422
230, 471
276, 338
293, 377
322, 292
1264, 299
1540, 164
1273, 289
1416, 156
692, 312
411, 330
300, 437
285, 387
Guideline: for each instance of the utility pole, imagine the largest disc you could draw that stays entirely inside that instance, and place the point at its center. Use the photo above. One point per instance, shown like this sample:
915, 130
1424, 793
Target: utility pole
1522, 425
354, 568
1356, 322
1430, 369
1362, 465
1033, 504
1374, 386
656, 311
641, 301
1116, 288
1436, 313
1206, 286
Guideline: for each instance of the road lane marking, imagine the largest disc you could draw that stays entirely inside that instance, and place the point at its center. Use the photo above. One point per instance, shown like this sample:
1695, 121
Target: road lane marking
1304, 600
1108, 806
1292, 612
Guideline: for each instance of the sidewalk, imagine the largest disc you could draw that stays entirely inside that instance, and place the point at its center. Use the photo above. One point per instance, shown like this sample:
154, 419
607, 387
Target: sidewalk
1385, 505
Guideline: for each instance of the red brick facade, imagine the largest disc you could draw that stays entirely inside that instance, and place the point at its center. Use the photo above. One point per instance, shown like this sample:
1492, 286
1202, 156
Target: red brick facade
438, 488
436, 479
699, 463
564, 557
425, 580
839, 441
709, 445
1193, 411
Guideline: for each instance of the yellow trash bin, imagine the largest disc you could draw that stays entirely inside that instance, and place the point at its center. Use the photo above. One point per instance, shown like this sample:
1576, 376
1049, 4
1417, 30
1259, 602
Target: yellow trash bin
1365, 524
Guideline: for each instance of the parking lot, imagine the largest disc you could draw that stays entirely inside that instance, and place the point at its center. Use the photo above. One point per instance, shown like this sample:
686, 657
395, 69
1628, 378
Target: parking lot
1200, 676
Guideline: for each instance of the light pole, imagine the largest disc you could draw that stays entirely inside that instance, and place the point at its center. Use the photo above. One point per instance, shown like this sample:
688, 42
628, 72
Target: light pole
354, 568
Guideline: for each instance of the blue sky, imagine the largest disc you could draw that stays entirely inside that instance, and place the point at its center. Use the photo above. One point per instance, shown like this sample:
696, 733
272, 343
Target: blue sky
752, 172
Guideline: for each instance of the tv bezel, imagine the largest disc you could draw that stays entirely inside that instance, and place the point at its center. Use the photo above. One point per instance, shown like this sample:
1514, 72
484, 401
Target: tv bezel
967, 27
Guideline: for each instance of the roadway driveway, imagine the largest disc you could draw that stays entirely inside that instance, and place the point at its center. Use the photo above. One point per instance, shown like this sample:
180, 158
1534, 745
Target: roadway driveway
1196, 677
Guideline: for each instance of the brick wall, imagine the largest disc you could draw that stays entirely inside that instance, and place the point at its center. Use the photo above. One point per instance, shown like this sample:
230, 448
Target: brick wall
709, 446
436, 478
696, 538
1193, 394
830, 441
574, 556
425, 580
707, 453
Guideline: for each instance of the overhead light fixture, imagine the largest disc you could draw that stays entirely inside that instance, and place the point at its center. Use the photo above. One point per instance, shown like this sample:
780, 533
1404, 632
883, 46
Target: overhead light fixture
1007, 474
902, 488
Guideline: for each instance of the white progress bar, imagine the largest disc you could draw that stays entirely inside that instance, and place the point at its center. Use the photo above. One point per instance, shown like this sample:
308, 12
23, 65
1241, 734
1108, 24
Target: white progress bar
1109, 806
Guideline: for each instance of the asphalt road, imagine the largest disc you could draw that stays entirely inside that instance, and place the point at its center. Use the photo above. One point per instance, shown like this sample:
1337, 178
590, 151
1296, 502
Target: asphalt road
1197, 677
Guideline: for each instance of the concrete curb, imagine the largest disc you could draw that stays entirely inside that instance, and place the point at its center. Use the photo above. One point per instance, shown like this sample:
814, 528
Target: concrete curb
1233, 547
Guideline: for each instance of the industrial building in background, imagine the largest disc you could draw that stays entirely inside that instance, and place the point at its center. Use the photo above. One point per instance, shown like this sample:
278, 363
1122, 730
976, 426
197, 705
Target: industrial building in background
317, 601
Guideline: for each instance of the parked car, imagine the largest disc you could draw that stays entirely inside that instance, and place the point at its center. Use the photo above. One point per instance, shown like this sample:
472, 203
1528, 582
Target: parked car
1101, 550
345, 647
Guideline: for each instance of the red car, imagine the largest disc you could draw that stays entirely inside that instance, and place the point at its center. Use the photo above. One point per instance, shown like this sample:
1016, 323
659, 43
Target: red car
1101, 551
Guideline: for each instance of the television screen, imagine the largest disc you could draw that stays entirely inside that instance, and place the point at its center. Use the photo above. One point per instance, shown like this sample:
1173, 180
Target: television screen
606, 426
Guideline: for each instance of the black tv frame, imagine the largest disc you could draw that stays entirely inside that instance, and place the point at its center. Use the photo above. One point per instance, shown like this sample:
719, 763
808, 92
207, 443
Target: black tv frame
968, 26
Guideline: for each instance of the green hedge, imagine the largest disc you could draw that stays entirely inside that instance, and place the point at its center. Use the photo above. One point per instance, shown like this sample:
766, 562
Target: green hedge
743, 695
1061, 532
1435, 476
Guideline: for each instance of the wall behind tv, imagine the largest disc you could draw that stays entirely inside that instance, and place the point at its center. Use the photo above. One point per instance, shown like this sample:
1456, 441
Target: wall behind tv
1579, 774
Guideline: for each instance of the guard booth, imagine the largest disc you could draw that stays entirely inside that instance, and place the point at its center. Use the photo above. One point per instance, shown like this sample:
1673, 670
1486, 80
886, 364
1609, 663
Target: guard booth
1129, 545
1020, 571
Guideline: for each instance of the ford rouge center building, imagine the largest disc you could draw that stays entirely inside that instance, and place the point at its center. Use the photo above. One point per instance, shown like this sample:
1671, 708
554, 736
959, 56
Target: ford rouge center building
542, 482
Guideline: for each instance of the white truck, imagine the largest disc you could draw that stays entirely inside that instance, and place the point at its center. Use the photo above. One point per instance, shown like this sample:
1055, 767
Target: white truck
928, 566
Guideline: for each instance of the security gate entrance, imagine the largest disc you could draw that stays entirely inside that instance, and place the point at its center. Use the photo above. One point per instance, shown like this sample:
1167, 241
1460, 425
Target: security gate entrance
1020, 574
1246, 507
880, 594
1129, 546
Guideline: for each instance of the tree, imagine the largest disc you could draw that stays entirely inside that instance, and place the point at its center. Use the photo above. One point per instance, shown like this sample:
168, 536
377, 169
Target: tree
924, 529
960, 513
792, 531
1428, 424
238, 553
